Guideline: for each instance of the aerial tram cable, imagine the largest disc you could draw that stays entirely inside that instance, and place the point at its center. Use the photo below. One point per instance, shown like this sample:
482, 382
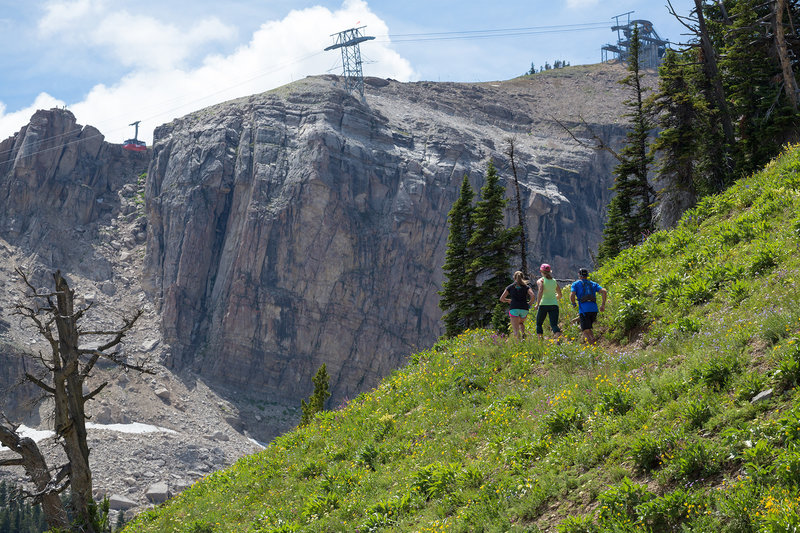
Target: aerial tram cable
392, 38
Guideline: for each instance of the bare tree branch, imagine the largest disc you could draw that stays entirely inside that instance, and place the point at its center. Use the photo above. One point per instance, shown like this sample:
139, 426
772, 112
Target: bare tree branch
139, 367
600, 143
95, 392
39, 383
680, 18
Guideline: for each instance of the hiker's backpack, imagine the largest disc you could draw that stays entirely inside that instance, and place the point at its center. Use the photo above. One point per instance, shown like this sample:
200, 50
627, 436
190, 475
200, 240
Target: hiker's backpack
588, 292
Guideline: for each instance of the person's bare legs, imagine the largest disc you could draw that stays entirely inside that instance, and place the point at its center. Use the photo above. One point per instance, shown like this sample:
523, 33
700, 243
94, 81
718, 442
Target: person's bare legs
516, 324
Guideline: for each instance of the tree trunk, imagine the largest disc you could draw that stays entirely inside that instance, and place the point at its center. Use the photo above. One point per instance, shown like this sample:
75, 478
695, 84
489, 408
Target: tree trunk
32, 460
789, 82
70, 418
712, 74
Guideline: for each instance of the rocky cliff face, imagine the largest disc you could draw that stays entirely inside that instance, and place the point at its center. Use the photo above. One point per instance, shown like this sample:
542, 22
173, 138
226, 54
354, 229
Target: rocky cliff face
71, 201
58, 182
304, 226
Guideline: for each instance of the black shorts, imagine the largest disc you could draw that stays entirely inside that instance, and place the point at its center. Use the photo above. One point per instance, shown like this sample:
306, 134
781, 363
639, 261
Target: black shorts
587, 320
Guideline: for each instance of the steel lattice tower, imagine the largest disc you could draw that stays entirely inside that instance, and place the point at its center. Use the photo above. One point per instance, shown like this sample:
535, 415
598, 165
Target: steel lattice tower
651, 48
348, 41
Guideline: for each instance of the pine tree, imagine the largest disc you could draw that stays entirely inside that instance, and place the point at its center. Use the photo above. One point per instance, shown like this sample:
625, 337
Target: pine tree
750, 65
316, 402
740, 80
678, 142
630, 213
458, 287
490, 247
120, 522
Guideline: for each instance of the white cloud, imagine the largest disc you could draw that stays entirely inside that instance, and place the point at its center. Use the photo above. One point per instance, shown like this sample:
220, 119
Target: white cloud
129, 38
10, 123
277, 53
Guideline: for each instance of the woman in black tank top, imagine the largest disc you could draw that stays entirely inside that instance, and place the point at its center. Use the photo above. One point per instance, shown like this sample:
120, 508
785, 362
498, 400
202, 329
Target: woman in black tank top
519, 295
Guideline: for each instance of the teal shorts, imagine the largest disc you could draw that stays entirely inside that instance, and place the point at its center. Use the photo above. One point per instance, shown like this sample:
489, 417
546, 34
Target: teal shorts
521, 313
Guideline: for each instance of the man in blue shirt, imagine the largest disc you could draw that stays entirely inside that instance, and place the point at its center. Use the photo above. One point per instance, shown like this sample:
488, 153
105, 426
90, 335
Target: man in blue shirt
583, 297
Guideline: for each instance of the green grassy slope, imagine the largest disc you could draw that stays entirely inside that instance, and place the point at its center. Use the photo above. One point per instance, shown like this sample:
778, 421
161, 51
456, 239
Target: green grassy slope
654, 429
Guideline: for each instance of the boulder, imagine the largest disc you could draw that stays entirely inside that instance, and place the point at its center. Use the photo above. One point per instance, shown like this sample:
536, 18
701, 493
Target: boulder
120, 503
157, 493
163, 393
762, 396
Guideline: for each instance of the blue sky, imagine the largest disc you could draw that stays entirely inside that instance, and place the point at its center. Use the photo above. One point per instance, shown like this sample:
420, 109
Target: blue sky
114, 62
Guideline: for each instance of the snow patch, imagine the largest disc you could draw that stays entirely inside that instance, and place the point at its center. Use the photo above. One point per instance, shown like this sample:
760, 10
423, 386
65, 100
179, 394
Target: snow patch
134, 427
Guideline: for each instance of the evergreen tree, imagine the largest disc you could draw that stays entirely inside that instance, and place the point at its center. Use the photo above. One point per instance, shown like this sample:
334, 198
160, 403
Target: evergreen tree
677, 143
500, 321
316, 402
490, 248
458, 286
750, 67
630, 213
739, 88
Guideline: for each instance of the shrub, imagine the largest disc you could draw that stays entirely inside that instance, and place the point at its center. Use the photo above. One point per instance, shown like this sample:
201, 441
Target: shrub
385, 513
616, 400
749, 385
781, 512
787, 467
621, 501
787, 375
668, 512
729, 234
632, 290
369, 456
563, 420
687, 324
698, 291
630, 315
763, 261
320, 505
435, 480
311, 470
737, 504
697, 411
790, 427
577, 524
695, 461
759, 461
717, 372
469, 382
647, 450
777, 326
663, 285
525, 453
738, 290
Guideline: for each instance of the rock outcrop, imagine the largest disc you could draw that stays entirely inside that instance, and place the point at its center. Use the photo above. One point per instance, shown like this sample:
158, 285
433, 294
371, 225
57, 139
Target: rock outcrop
304, 226
58, 179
